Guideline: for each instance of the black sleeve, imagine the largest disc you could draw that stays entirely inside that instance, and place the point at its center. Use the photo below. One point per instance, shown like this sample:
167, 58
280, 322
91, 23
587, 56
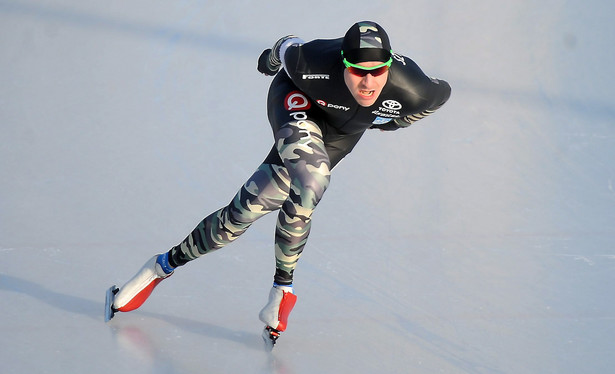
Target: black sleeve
316, 56
425, 94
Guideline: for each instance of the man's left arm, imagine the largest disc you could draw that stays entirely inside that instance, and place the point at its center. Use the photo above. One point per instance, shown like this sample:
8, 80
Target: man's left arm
436, 91
441, 92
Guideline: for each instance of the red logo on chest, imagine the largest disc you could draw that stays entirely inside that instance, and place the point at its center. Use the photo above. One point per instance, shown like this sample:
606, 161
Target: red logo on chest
296, 100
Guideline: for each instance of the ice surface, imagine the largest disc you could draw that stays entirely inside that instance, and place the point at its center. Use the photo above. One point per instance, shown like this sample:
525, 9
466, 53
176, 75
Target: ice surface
480, 240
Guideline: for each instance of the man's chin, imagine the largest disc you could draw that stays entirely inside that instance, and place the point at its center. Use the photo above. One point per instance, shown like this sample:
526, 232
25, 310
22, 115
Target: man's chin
366, 101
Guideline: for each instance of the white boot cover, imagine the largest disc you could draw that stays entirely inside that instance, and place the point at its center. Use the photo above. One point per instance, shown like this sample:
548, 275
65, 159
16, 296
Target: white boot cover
281, 302
134, 293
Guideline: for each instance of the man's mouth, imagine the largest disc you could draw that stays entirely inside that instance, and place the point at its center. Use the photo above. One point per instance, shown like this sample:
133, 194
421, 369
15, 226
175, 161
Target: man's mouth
366, 93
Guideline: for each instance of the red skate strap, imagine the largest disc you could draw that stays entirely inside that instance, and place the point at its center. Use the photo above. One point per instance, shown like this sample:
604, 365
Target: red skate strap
140, 298
286, 306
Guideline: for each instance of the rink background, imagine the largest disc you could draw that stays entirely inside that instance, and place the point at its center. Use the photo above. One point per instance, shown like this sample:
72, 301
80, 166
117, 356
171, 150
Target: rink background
480, 240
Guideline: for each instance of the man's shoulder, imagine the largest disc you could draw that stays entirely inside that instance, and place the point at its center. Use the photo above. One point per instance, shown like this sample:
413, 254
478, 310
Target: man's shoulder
323, 46
412, 89
319, 54
405, 75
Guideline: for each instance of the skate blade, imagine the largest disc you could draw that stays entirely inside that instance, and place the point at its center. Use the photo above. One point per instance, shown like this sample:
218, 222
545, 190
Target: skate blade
270, 336
109, 298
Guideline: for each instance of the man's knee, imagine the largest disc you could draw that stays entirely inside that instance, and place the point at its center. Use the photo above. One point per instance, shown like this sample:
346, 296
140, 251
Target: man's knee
311, 189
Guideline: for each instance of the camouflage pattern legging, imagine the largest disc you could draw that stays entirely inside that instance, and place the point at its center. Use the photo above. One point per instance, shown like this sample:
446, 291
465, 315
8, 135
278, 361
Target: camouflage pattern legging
294, 186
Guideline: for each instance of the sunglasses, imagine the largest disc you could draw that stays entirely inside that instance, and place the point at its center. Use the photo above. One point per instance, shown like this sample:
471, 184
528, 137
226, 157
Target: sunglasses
362, 71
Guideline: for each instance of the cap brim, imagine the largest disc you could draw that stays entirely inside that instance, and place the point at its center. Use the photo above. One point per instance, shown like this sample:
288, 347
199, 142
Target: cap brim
367, 54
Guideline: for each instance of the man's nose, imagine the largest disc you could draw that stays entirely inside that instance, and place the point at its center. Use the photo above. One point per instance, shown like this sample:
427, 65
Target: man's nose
367, 78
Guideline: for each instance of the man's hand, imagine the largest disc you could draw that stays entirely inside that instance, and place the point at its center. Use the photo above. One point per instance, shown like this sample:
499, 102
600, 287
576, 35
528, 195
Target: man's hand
270, 60
264, 63
389, 126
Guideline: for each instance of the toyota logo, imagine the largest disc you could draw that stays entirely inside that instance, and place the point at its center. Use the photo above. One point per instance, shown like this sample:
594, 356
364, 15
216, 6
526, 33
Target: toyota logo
391, 104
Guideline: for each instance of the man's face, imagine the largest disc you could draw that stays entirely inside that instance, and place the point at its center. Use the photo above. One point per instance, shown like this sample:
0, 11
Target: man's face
365, 89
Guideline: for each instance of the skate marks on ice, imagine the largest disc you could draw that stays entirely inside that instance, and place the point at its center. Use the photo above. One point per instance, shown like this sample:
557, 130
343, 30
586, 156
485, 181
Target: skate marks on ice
62, 301
136, 344
93, 309
169, 345
180, 325
445, 349
176, 33
588, 260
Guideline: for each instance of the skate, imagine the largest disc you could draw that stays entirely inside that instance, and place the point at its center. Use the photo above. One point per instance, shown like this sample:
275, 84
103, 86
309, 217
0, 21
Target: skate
134, 293
275, 314
270, 336
109, 298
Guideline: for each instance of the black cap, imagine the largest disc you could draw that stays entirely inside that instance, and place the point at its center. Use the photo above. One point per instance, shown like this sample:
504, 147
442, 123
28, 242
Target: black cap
366, 41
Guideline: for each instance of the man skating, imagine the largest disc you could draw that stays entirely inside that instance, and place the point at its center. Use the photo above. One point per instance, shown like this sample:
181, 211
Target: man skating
325, 95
